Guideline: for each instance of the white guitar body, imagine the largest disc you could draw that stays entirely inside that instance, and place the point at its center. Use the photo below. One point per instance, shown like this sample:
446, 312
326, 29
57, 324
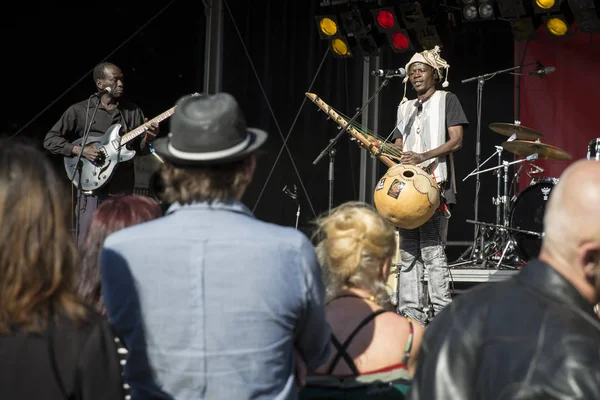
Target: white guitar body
93, 175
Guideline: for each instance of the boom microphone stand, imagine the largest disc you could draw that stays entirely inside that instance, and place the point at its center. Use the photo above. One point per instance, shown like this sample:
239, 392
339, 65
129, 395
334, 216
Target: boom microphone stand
332, 142
480, 83
78, 166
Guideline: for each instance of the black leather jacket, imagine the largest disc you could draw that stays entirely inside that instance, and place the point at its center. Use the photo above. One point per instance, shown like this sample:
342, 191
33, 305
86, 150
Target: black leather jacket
530, 337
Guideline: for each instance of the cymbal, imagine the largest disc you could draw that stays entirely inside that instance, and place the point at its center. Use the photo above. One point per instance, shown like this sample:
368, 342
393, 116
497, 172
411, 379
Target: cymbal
545, 151
521, 131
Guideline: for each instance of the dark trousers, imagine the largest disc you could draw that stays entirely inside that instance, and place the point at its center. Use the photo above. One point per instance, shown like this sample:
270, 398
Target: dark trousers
86, 205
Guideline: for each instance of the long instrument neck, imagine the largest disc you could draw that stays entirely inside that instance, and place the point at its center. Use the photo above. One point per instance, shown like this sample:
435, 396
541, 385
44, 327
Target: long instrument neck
371, 147
129, 136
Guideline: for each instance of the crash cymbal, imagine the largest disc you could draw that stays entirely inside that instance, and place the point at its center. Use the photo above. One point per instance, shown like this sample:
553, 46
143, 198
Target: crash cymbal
545, 151
521, 131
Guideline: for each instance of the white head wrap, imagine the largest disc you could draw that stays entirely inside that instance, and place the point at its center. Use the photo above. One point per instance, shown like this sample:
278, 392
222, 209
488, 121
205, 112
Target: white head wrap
431, 58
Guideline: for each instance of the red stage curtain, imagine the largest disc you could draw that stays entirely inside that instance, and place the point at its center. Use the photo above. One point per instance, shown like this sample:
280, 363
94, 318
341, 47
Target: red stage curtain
564, 106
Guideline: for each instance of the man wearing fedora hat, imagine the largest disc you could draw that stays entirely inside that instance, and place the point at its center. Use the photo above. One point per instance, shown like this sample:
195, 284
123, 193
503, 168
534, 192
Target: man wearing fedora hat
220, 304
429, 130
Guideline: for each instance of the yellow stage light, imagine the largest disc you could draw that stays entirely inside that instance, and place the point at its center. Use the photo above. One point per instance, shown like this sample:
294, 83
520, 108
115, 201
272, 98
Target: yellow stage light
545, 4
339, 47
328, 26
557, 26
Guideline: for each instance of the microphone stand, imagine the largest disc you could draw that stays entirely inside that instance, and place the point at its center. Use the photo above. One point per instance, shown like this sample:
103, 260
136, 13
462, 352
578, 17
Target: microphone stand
480, 82
329, 148
78, 165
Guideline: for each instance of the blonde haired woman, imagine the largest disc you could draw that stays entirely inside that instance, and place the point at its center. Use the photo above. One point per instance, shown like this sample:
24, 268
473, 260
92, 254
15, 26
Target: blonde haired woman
372, 344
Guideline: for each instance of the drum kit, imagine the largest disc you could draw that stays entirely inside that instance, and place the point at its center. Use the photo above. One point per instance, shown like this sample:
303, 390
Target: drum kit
516, 236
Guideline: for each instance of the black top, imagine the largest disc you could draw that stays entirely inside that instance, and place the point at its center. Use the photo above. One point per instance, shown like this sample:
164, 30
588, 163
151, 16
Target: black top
530, 337
65, 362
71, 126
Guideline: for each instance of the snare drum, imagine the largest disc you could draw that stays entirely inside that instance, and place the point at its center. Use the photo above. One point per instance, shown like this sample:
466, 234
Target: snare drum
528, 214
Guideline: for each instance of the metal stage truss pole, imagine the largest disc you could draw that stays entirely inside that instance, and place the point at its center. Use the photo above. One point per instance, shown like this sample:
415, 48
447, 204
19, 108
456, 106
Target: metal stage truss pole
213, 48
370, 119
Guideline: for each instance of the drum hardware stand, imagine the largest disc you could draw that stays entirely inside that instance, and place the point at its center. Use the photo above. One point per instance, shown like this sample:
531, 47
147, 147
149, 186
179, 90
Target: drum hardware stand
329, 148
293, 193
499, 241
510, 242
497, 201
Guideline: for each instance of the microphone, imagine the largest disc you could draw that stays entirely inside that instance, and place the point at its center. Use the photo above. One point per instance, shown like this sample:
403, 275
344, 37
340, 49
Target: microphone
542, 72
101, 92
390, 73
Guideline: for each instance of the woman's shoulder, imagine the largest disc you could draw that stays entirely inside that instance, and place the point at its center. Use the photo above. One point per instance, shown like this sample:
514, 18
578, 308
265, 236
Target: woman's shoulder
90, 323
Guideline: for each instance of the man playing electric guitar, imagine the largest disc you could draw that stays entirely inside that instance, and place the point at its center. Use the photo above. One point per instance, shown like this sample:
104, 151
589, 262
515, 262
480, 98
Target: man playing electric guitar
113, 109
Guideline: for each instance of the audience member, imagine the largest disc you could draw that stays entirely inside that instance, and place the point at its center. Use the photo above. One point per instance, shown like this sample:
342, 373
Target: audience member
52, 345
113, 214
219, 301
534, 336
373, 344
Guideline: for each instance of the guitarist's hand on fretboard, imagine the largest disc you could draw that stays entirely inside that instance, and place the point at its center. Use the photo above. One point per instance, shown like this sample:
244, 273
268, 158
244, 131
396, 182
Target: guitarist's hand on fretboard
152, 131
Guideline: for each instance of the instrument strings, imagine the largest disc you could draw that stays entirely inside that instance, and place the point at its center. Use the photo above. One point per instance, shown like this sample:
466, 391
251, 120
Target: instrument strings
387, 148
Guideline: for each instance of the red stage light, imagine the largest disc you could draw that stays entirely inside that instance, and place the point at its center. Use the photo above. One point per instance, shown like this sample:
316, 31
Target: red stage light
386, 19
399, 41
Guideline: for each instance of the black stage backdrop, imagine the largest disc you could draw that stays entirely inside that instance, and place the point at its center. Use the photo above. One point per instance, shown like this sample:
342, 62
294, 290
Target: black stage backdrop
272, 56
285, 49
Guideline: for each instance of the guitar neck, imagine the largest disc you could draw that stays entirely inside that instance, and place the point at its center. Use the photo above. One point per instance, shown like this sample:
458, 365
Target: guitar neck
129, 136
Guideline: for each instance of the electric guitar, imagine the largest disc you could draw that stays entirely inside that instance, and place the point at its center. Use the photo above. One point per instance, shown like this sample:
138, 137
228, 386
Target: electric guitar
92, 175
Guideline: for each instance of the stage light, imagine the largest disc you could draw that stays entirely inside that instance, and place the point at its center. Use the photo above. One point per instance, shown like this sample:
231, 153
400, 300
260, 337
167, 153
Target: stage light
512, 8
470, 12
330, 29
486, 9
586, 14
340, 47
386, 22
557, 25
412, 15
328, 26
353, 22
546, 6
400, 41
482, 10
385, 19
428, 37
523, 29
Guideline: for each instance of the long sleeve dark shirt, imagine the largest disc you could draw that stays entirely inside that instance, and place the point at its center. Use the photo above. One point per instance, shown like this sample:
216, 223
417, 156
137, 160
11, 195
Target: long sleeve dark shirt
71, 126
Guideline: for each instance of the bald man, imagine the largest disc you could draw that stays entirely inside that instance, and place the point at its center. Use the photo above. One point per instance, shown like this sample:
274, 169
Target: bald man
534, 336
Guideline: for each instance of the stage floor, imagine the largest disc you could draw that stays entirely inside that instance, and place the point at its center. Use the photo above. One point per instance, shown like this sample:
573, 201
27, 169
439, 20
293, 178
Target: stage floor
477, 275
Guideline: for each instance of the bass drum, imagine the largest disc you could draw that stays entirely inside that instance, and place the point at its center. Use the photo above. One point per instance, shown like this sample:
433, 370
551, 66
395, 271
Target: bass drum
528, 214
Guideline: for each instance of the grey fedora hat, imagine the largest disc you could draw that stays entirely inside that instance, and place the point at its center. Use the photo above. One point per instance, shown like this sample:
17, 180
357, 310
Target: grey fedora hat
208, 129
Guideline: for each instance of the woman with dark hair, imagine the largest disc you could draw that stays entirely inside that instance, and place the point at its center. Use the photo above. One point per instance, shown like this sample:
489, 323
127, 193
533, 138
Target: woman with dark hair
112, 215
53, 346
